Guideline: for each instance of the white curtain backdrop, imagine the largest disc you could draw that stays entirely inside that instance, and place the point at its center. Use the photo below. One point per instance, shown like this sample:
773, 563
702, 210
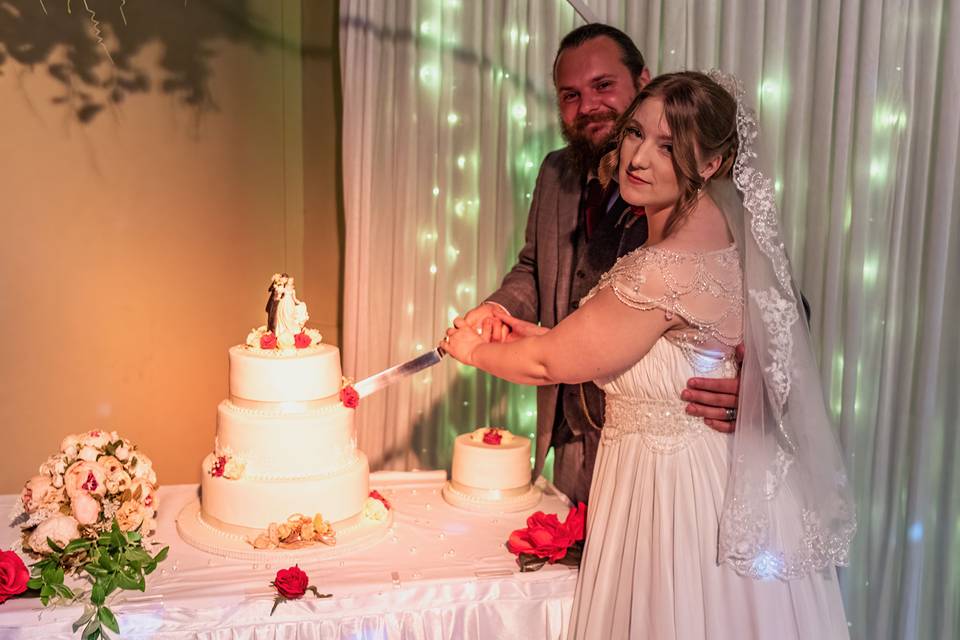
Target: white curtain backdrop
448, 109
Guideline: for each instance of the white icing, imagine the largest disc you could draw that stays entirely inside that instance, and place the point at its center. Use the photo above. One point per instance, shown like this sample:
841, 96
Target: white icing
505, 466
281, 444
255, 503
303, 375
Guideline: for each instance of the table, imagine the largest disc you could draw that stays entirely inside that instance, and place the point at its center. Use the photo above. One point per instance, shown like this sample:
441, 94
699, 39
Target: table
440, 573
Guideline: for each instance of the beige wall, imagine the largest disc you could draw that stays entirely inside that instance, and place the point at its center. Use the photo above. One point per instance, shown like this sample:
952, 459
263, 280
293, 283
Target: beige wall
137, 247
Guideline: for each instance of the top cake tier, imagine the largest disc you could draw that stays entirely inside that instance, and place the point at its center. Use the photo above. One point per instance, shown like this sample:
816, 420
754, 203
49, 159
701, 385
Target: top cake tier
285, 376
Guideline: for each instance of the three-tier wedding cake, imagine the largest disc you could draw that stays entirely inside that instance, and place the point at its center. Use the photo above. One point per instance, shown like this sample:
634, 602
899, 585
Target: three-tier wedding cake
285, 472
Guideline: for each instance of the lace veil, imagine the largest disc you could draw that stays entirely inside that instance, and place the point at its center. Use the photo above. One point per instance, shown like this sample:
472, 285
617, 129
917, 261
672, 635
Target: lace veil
788, 508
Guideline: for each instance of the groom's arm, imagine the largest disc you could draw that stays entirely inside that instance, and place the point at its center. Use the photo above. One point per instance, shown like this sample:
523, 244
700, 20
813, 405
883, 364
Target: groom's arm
710, 398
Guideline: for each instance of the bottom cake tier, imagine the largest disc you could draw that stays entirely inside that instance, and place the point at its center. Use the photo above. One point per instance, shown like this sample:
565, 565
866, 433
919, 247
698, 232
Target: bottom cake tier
253, 503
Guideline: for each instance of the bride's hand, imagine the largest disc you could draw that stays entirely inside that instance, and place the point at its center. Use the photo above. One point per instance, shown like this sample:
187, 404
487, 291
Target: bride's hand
461, 341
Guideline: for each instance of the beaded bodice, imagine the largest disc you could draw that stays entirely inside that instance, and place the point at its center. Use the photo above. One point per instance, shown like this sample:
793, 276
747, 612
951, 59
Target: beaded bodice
705, 290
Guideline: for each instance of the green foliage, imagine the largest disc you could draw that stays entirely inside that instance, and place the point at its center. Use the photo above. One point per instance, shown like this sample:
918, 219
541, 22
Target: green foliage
115, 560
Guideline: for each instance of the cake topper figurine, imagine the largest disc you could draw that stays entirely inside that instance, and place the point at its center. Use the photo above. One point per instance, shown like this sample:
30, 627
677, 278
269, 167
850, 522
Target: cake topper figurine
286, 315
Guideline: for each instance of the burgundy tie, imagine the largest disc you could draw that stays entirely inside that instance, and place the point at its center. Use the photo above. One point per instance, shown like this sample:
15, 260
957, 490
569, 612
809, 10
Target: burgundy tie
593, 205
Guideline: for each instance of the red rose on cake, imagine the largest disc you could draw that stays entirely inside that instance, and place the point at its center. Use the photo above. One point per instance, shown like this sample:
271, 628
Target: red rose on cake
349, 397
268, 341
301, 340
492, 436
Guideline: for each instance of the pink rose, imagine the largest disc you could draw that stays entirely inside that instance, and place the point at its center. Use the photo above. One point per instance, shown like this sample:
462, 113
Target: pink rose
268, 341
87, 477
144, 493
61, 529
13, 575
301, 340
34, 492
86, 508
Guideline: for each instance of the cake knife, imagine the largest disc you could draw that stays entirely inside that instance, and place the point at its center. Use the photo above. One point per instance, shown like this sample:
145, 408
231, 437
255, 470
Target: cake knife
388, 376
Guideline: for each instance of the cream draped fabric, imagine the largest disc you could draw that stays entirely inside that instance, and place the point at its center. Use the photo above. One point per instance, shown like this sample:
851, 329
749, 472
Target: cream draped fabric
861, 131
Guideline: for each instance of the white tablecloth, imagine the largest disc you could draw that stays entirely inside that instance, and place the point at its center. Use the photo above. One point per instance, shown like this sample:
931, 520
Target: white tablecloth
441, 573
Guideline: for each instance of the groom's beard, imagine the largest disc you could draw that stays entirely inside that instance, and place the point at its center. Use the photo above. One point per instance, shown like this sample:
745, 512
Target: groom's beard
583, 153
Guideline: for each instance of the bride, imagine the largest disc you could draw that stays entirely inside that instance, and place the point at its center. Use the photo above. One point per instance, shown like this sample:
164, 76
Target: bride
692, 533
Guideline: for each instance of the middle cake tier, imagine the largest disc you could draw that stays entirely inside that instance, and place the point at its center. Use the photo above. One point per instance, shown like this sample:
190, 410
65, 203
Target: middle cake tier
287, 440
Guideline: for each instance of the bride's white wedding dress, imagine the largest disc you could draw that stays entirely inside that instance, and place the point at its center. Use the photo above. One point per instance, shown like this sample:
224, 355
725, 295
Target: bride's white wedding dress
650, 567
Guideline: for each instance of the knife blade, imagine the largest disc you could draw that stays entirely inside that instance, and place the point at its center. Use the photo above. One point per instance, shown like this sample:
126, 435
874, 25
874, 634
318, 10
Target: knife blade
388, 376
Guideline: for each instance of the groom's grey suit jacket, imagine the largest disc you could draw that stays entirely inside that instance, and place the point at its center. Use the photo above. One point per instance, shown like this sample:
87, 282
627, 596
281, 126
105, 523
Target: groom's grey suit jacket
539, 287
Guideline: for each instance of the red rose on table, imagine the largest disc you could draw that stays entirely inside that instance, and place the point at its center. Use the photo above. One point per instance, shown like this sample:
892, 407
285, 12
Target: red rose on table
13, 575
349, 397
546, 537
492, 436
291, 583
301, 340
268, 341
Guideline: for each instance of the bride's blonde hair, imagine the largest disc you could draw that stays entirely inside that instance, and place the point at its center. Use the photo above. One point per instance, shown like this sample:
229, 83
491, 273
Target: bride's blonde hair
702, 117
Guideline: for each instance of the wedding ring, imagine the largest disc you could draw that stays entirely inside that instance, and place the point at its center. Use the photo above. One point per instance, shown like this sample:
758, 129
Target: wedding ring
731, 415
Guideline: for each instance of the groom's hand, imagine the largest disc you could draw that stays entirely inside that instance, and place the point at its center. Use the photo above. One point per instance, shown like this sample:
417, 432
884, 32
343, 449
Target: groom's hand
483, 319
715, 399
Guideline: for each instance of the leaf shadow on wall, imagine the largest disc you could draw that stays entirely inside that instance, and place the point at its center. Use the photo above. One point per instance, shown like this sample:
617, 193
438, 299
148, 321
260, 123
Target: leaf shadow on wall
98, 72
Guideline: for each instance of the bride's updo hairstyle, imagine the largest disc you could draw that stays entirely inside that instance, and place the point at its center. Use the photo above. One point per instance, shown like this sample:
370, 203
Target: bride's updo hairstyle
702, 117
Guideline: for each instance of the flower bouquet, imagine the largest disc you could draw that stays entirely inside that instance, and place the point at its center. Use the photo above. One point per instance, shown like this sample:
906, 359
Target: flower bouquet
96, 477
547, 540
86, 513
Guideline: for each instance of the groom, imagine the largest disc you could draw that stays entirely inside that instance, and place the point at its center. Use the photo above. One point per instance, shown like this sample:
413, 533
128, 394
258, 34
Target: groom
575, 232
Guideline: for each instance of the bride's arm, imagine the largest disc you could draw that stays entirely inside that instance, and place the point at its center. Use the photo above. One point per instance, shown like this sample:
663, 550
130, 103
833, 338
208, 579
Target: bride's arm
602, 338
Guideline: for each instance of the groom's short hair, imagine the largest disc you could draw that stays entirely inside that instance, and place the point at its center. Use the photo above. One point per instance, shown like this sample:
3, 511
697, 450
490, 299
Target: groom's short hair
631, 57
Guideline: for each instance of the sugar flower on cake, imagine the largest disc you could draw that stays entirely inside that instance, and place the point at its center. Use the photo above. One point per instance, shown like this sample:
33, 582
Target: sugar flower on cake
297, 532
492, 435
223, 463
81, 488
375, 507
349, 397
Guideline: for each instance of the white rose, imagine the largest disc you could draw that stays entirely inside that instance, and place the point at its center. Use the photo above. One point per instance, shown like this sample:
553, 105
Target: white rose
286, 340
130, 515
98, 439
234, 469
118, 482
57, 481
89, 453
35, 492
69, 443
122, 453
143, 467
60, 529
375, 510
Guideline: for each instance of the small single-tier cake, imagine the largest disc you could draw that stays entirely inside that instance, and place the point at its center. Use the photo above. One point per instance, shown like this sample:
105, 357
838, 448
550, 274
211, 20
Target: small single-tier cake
491, 472
285, 472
